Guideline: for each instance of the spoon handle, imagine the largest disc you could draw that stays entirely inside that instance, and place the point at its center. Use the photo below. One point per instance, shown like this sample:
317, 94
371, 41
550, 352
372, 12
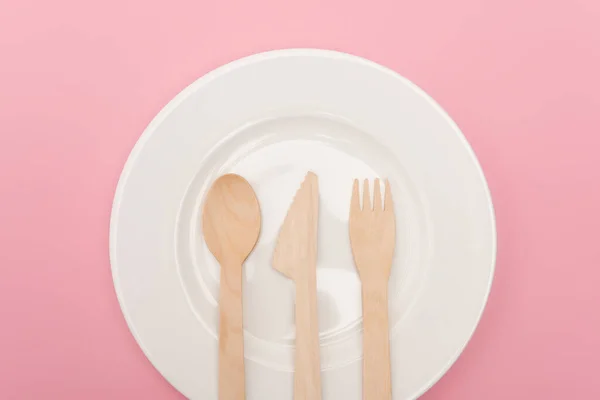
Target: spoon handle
231, 335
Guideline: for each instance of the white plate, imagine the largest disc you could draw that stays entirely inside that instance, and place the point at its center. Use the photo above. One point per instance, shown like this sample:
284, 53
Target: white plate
271, 117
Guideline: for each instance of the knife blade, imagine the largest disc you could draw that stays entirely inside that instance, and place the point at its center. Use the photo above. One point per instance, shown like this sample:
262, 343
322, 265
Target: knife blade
295, 256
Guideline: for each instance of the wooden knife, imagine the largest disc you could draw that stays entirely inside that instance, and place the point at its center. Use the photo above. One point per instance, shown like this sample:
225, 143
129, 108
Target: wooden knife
296, 257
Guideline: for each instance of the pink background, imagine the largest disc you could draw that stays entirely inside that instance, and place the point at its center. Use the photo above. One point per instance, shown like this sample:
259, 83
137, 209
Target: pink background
79, 81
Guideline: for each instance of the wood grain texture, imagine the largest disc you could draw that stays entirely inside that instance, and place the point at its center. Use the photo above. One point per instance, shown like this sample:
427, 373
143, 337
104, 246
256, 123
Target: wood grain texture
372, 229
231, 334
231, 225
296, 257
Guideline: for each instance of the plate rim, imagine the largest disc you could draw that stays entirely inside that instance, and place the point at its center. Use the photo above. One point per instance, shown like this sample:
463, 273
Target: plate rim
262, 56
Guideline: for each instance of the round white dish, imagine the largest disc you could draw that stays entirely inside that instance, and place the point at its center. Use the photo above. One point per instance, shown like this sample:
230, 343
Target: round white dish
272, 117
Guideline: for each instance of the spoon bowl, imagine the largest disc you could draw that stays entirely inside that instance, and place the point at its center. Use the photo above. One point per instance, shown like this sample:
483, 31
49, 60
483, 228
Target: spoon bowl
231, 219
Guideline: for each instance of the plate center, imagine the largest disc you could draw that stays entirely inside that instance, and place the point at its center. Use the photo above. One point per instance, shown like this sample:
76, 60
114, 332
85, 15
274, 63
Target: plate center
274, 156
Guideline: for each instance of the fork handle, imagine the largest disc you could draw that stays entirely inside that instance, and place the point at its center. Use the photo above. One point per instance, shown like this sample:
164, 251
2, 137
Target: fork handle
376, 343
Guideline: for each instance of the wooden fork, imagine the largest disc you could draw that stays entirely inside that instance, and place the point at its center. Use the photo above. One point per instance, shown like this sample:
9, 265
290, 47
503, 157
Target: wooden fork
373, 238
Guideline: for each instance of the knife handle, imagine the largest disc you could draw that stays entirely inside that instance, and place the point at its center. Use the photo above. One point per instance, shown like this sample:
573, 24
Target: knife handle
307, 375
376, 343
231, 335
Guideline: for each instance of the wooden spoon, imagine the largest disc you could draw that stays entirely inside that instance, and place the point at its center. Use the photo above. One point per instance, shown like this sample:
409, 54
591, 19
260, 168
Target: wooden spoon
231, 225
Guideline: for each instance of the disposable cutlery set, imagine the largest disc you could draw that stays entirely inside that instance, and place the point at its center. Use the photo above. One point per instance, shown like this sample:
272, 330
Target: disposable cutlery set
231, 225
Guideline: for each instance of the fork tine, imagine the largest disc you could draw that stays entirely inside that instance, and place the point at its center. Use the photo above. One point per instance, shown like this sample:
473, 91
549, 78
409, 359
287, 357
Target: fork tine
389, 204
366, 196
355, 200
377, 196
